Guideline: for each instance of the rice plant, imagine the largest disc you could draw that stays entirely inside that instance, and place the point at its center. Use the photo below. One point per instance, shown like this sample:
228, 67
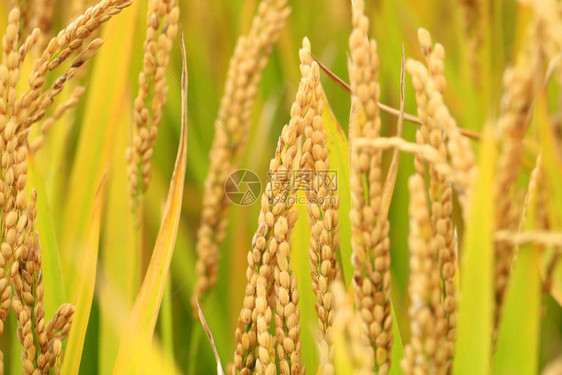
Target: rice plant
264, 187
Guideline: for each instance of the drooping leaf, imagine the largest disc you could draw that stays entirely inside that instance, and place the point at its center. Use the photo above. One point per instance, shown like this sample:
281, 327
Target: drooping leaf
156, 360
476, 307
138, 332
85, 289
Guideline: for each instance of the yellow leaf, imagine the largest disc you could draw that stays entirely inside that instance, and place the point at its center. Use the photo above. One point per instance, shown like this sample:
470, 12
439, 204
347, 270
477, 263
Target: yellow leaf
119, 254
138, 332
106, 90
85, 290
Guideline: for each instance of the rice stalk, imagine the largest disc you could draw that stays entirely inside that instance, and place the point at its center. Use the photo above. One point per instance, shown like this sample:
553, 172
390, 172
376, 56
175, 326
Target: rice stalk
245, 69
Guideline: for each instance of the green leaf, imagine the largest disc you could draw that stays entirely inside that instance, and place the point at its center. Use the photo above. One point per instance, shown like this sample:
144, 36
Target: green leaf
53, 283
397, 348
474, 328
338, 154
517, 347
300, 244
553, 178
85, 290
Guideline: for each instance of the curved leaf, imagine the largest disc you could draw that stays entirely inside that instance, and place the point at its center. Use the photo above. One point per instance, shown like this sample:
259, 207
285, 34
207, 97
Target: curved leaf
475, 314
137, 336
85, 290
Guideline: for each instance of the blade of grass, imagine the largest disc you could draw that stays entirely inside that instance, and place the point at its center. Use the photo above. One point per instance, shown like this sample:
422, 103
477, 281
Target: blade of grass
156, 360
119, 255
300, 243
519, 330
138, 332
104, 105
553, 177
210, 337
85, 289
53, 283
12, 357
388, 188
166, 319
474, 327
397, 346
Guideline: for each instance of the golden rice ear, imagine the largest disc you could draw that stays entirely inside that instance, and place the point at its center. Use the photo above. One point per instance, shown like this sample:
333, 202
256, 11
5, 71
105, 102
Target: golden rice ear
443, 133
61, 109
369, 228
364, 120
269, 258
430, 84
287, 311
322, 207
428, 319
161, 30
31, 105
245, 69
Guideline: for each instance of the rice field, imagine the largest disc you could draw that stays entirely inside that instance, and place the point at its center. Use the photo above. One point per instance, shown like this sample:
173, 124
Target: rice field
270, 186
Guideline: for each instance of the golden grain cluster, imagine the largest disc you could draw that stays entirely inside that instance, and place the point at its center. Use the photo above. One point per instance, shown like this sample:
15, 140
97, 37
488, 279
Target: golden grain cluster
233, 123
161, 29
21, 286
